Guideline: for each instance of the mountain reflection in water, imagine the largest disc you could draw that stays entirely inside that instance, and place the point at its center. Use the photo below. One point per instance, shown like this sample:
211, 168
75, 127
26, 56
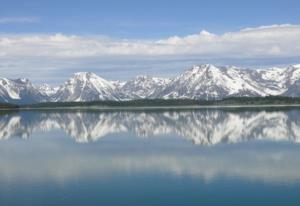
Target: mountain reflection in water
203, 127
265, 145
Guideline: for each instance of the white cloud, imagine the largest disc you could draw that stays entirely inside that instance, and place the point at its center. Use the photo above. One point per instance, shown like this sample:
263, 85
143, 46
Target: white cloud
53, 51
268, 27
266, 41
13, 20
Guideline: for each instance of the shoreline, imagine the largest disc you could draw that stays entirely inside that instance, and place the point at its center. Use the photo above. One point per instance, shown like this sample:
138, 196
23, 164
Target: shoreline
132, 108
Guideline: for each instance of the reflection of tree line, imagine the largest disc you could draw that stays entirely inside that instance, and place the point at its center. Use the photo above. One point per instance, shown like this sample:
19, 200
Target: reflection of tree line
205, 127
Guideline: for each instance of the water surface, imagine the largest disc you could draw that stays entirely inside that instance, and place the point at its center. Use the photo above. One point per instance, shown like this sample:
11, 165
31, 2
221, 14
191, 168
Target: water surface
190, 157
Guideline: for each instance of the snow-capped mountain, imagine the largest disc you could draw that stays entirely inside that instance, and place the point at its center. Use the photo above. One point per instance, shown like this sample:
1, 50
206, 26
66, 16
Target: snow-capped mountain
210, 82
47, 90
200, 82
142, 87
20, 91
85, 86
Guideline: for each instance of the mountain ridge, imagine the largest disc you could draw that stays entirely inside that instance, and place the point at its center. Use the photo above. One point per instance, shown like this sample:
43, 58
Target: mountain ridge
201, 82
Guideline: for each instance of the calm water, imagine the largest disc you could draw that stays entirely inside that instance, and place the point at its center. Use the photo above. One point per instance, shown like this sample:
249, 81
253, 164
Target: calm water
198, 157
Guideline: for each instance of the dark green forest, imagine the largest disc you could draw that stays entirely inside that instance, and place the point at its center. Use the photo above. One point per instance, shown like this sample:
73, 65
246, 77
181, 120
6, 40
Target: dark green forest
269, 100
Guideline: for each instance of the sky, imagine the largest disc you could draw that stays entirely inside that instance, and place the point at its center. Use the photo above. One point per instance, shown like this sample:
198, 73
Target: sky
47, 41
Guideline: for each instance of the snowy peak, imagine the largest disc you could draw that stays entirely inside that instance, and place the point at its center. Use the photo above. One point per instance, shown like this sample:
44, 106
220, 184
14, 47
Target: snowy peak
85, 86
86, 76
210, 82
204, 81
201, 82
8, 90
23, 81
201, 68
47, 90
20, 91
91, 79
143, 87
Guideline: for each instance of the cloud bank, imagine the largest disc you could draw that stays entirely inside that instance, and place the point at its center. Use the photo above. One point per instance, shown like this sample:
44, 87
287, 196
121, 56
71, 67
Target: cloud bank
52, 50
275, 40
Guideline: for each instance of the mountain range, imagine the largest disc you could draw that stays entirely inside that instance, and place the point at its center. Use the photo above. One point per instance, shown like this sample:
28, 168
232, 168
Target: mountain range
204, 81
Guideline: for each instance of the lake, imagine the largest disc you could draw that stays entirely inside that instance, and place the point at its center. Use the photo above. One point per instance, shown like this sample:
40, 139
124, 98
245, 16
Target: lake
178, 157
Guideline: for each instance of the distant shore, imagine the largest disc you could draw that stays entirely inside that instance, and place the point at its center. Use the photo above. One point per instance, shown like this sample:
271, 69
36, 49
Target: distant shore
162, 104
149, 108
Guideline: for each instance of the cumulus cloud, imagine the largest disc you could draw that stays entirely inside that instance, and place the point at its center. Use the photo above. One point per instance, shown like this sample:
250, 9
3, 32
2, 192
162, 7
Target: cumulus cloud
275, 40
13, 20
42, 50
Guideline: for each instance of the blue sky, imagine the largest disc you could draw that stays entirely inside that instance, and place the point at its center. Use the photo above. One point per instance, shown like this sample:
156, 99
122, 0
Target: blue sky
146, 19
69, 26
